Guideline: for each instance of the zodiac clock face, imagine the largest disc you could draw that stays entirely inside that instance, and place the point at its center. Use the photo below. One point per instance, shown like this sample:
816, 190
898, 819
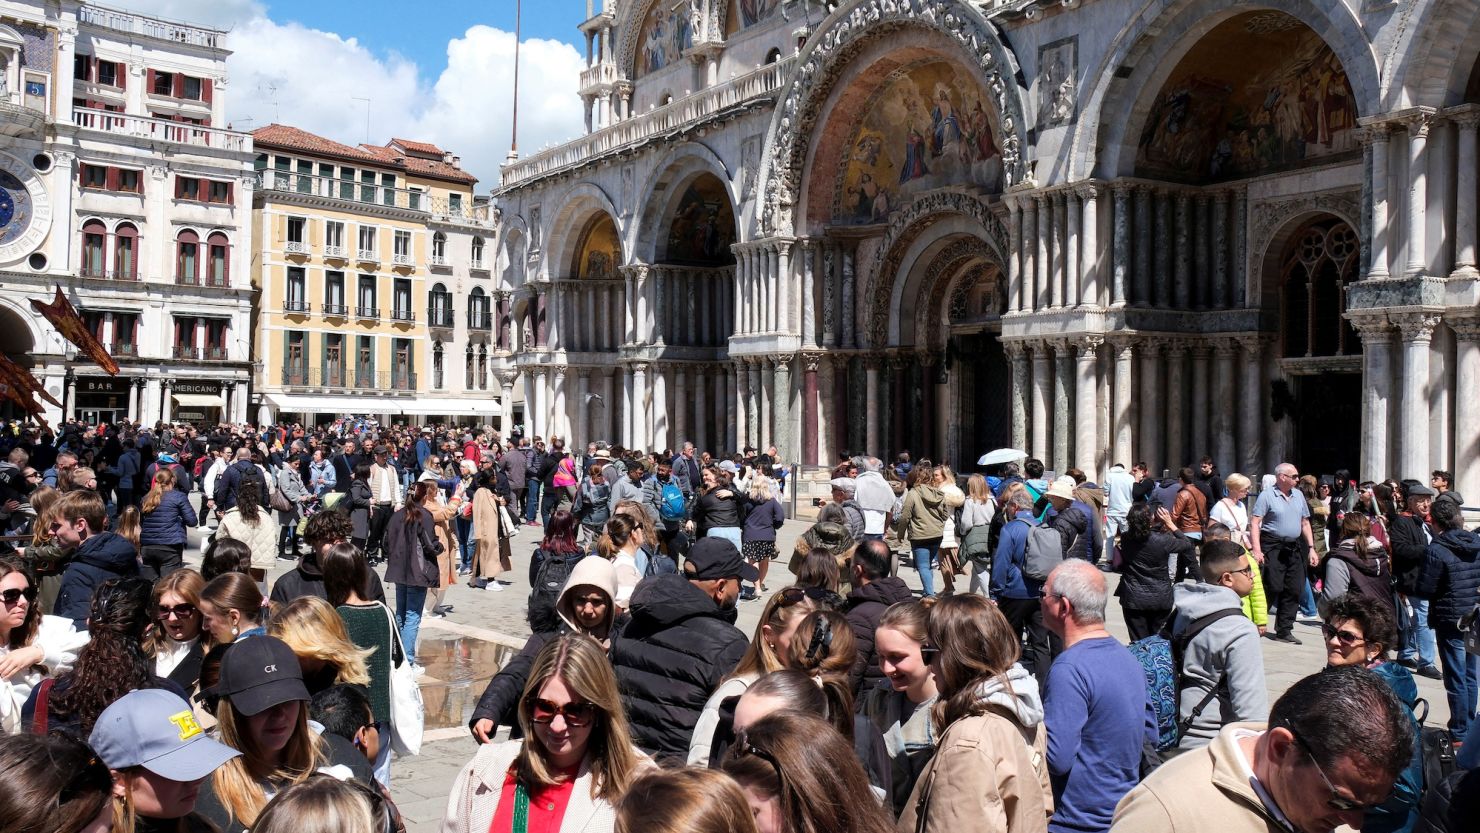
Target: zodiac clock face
25, 210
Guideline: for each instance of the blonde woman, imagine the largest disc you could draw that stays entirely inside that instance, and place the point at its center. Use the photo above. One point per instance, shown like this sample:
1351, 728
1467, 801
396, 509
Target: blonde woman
325, 804
763, 516
443, 510
950, 565
313, 629
575, 732
178, 640
1231, 511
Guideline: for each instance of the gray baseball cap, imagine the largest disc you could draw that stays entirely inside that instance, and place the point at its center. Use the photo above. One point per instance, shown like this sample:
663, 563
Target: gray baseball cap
155, 729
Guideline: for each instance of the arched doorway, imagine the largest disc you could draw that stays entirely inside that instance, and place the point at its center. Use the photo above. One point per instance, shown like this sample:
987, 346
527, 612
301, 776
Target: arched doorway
18, 344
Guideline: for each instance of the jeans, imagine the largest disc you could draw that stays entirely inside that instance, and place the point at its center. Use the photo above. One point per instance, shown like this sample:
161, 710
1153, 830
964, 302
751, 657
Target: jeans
925, 552
409, 602
1460, 672
532, 499
1415, 637
1307, 600
464, 543
729, 533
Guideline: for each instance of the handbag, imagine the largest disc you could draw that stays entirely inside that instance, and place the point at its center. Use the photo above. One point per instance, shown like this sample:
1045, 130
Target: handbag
279, 502
408, 713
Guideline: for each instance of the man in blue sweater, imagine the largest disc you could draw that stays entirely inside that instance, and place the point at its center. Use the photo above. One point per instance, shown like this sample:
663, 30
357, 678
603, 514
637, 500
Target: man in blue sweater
1096, 708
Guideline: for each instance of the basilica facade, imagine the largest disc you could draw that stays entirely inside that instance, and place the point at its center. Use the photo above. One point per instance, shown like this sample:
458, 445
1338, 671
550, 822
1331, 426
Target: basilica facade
1098, 230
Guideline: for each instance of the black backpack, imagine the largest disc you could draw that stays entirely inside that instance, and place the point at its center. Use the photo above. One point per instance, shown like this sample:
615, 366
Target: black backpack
549, 580
254, 475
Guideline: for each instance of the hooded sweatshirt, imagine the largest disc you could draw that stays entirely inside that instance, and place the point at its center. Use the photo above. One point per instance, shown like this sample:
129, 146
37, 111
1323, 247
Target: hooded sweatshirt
1346, 572
924, 514
102, 556
1450, 577
1227, 649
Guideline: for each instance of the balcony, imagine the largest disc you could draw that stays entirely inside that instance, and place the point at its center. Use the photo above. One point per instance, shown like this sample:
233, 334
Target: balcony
368, 256
296, 247
598, 75
477, 265
403, 381
297, 306
399, 259
215, 354
119, 348
441, 318
196, 280
403, 316
336, 311
336, 252
364, 193
439, 262
160, 130
108, 275
480, 320
669, 120
367, 313
150, 27
185, 352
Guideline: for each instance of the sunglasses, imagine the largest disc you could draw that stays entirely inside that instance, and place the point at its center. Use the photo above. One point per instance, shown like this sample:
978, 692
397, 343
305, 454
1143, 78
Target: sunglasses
14, 595
929, 653
575, 714
182, 611
1345, 637
746, 747
1337, 801
789, 596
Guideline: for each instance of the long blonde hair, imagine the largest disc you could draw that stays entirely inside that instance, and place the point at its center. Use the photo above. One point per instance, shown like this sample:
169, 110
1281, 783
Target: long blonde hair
237, 782
313, 629
322, 804
187, 584
760, 658
128, 525
581, 663
164, 480
44, 501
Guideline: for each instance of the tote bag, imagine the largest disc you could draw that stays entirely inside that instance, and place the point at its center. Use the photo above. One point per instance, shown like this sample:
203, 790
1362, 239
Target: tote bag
408, 714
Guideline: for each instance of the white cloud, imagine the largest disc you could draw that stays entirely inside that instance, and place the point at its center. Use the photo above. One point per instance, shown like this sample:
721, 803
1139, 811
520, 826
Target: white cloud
291, 74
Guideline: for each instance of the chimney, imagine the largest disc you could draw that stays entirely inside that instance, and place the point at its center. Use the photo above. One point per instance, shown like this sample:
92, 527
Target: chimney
448, 157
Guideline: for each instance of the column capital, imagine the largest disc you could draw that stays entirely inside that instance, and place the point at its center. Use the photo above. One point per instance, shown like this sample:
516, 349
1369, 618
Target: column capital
581, 372
1465, 119
1370, 325
1014, 349
1252, 344
1465, 329
559, 371
1417, 326
780, 358
506, 378
1088, 346
812, 360
640, 367
1087, 190
1419, 123
1373, 134
1225, 347
1151, 345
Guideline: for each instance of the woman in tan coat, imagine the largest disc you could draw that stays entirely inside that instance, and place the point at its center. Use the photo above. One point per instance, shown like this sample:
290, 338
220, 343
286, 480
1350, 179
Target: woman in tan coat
442, 511
990, 770
490, 549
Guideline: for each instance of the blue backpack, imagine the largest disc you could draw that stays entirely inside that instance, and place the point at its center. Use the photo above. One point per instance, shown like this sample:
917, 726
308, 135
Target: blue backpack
671, 504
1161, 658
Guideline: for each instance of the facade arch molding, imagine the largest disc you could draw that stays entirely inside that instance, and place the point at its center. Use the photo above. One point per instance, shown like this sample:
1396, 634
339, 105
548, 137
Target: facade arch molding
563, 234
1431, 61
674, 169
1275, 222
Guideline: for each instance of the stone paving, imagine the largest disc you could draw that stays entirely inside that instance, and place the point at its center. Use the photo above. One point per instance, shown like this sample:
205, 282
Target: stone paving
466, 648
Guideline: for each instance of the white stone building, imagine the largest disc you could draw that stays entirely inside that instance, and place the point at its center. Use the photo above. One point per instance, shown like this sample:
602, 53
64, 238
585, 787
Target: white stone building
123, 186
1102, 231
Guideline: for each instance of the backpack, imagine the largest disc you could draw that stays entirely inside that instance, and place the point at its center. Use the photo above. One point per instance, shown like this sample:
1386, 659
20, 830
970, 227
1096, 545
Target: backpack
254, 475
1045, 551
659, 564
550, 580
1161, 658
671, 502
1437, 750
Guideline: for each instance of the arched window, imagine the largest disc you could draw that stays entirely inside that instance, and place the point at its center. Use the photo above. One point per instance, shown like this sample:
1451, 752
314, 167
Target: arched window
126, 252
94, 248
439, 247
477, 253
187, 257
468, 369
219, 250
1320, 262
482, 367
478, 318
773, 56
439, 301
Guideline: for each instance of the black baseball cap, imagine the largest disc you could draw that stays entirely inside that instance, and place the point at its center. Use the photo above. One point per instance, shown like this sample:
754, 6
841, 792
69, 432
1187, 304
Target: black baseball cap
712, 558
260, 672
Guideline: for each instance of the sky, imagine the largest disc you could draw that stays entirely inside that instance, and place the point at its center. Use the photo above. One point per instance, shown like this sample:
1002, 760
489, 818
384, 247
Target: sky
439, 71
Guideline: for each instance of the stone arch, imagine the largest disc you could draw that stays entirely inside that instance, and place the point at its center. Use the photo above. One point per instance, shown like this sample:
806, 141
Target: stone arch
958, 265
20, 338
565, 227
1275, 221
918, 234
678, 167
1152, 44
513, 257
829, 54
1431, 61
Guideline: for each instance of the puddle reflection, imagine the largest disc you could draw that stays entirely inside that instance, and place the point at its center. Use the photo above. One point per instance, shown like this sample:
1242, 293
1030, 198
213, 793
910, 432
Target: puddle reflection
458, 669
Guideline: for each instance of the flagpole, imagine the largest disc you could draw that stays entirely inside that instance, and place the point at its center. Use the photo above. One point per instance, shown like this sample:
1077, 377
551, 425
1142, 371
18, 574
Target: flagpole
514, 128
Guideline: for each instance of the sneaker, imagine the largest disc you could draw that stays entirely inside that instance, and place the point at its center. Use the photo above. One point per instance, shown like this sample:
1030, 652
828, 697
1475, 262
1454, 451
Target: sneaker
445, 608
438, 613
1287, 638
418, 670
464, 571
495, 586
1410, 664
1431, 672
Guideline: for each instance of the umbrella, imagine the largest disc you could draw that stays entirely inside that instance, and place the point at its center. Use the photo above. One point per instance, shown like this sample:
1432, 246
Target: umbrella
1001, 455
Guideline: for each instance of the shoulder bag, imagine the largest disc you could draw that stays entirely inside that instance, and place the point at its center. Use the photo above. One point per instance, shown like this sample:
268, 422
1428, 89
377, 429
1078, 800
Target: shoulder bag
408, 713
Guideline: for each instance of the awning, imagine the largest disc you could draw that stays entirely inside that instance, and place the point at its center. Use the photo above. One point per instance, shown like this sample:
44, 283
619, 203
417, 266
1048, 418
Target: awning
422, 405
446, 406
315, 404
199, 400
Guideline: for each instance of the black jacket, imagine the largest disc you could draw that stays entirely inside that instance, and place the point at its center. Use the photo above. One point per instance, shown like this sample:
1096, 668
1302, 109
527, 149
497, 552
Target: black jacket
1144, 581
101, 557
344, 472
1451, 577
308, 580
1410, 548
230, 482
406, 563
357, 504
676, 649
866, 606
712, 511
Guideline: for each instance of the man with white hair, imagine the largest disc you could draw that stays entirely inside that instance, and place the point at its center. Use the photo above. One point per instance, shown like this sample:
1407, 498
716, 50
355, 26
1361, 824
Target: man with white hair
1095, 704
874, 496
1280, 529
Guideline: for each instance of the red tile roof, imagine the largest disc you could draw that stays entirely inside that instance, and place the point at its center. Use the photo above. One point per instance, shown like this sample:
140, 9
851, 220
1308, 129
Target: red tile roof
417, 147
292, 138
417, 166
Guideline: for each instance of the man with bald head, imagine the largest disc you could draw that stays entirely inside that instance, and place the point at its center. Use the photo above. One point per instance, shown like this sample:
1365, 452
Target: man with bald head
1280, 529
1095, 704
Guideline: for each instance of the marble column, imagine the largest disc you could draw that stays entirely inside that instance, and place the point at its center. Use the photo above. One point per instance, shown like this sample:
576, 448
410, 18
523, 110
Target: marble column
831, 261
1467, 405
1418, 197
582, 432
872, 365
608, 425
1086, 412
1220, 299
1072, 257
1042, 399
1148, 444
1142, 293
1043, 260
1224, 401
1466, 124
845, 309
1182, 272
767, 402
1377, 149
1058, 250
539, 415
642, 436
1030, 244
1121, 256
1201, 389
559, 419
1014, 255
740, 412
947, 447
662, 292
753, 403
1089, 244
810, 406
701, 378
506, 403
1176, 403
1120, 406
661, 417
1162, 275
1239, 256
629, 424
728, 438
682, 431
642, 332
811, 336
1063, 401
1251, 414
1417, 330
781, 437
784, 287
1017, 358
1202, 285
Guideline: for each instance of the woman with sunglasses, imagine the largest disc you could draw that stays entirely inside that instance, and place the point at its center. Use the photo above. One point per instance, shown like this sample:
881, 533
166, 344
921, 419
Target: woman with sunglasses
175, 642
799, 776
586, 605
990, 763
32, 646
575, 761
53, 784
1360, 630
768, 651
901, 710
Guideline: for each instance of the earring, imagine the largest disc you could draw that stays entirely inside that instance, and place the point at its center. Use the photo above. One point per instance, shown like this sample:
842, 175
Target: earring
233, 630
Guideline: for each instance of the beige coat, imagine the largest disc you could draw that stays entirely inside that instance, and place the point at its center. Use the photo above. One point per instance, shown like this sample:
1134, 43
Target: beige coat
442, 515
477, 789
1196, 788
989, 775
491, 551
261, 538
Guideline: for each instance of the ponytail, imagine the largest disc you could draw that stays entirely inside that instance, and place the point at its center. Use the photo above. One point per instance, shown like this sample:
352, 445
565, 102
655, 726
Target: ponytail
164, 480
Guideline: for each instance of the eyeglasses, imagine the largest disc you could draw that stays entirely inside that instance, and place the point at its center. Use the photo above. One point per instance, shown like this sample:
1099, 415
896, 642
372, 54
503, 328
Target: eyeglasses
929, 653
377, 725
1345, 637
182, 611
14, 594
31, 474
1247, 571
1337, 801
575, 714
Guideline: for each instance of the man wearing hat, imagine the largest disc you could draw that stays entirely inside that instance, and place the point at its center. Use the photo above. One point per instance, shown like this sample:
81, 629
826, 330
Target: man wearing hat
1073, 519
1410, 534
683, 623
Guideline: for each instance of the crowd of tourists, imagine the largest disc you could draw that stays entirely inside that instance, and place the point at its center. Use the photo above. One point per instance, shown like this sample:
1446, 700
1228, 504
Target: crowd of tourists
145, 686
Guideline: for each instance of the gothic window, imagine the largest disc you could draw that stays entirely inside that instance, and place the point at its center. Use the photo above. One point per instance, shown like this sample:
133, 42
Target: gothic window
1320, 262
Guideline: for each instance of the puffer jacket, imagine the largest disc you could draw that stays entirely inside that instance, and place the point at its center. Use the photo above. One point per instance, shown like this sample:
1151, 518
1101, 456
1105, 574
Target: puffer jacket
1450, 577
866, 606
924, 514
670, 658
990, 770
712, 511
103, 556
1146, 569
166, 525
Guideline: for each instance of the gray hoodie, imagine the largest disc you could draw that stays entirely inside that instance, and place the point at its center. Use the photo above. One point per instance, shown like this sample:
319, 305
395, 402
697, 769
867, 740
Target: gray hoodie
1228, 649
1020, 696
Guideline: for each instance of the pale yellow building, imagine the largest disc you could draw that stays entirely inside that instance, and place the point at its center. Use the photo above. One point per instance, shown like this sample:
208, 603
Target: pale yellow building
374, 265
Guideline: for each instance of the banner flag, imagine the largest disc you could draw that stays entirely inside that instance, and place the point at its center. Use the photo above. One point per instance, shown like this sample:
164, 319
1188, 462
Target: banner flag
64, 317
